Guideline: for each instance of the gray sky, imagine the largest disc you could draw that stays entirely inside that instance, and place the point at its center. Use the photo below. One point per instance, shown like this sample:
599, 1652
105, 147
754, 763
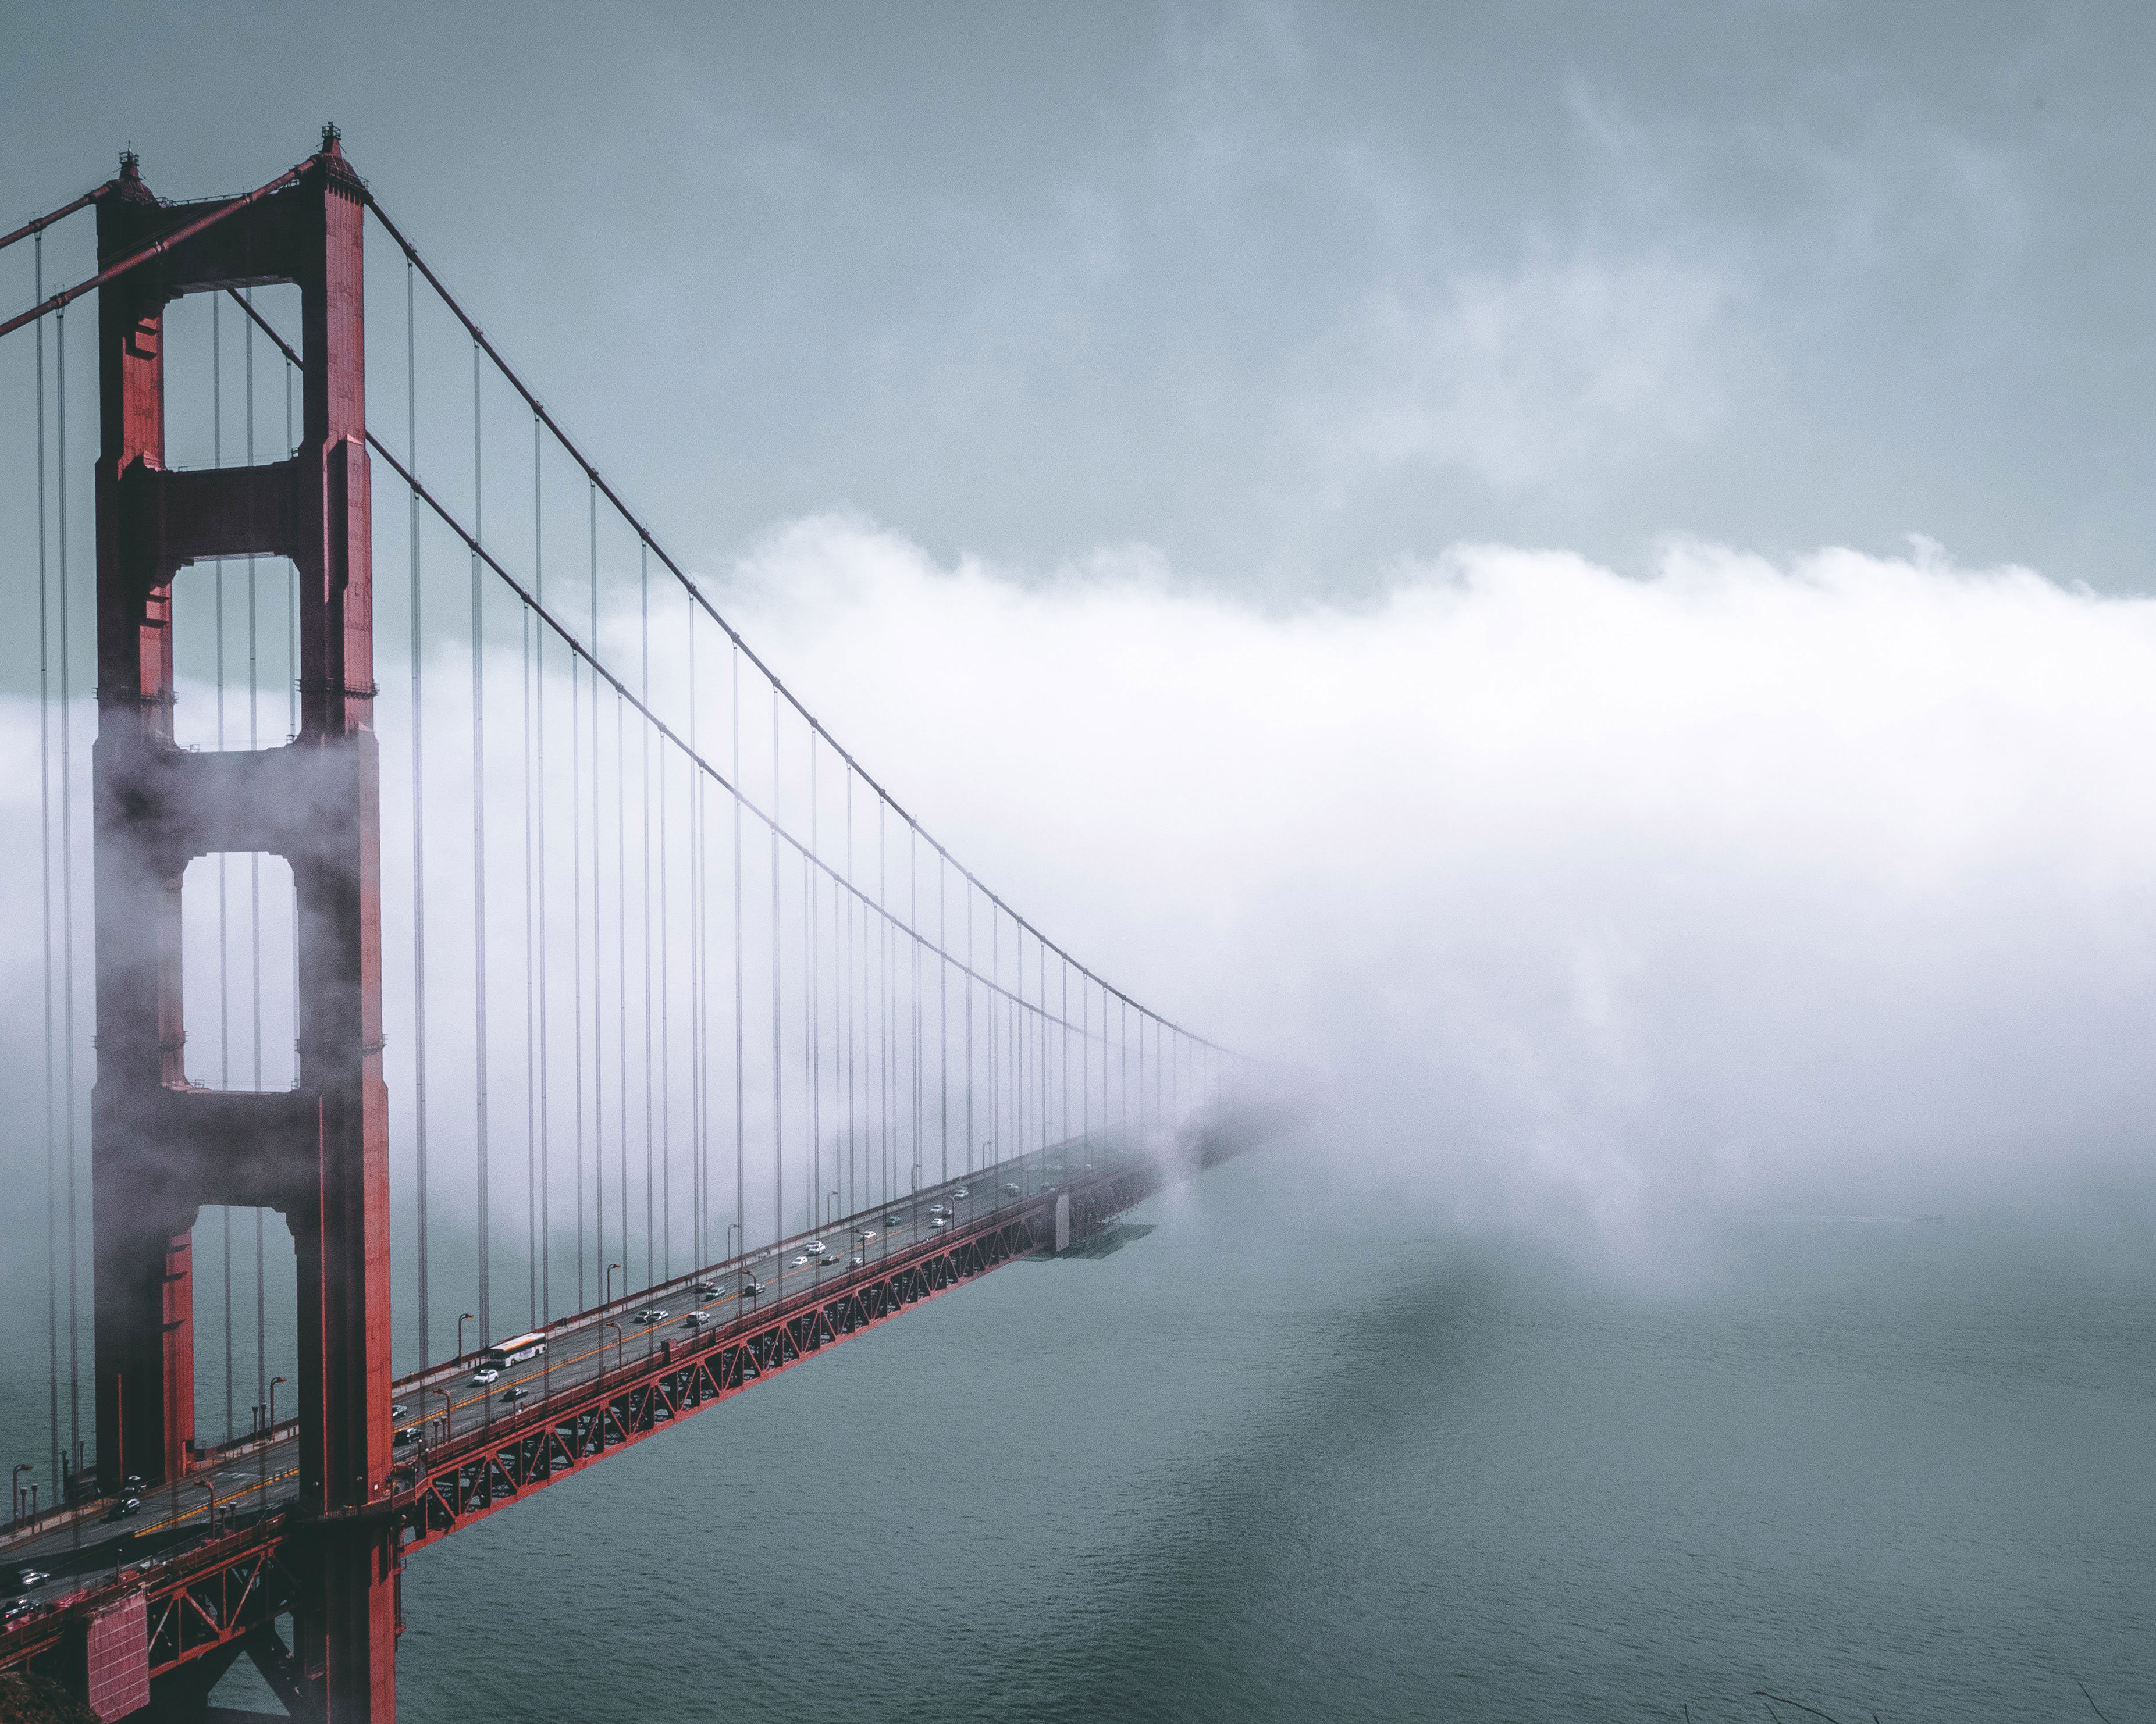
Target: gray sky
1289, 294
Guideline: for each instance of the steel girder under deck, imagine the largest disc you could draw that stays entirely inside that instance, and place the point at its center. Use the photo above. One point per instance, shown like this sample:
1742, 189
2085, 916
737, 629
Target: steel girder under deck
574, 1429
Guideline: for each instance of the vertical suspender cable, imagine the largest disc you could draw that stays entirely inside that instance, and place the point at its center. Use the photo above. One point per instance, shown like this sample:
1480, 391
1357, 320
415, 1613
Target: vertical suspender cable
913, 931
479, 864
255, 861
967, 888
292, 732
811, 907
45, 878
995, 1040
418, 809
621, 953
943, 1012
531, 986
883, 1007
666, 1029
741, 1078
598, 965
643, 857
778, 1073
852, 1117
697, 974
577, 909
224, 938
67, 880
539, 788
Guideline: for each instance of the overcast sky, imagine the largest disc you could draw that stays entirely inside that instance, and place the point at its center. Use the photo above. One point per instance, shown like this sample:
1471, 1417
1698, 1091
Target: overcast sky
1287, 294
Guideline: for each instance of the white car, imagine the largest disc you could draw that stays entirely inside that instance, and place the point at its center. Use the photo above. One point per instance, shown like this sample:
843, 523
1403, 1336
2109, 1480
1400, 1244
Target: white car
798, 1263
962, 1192
695, 1320
815, 1247
856, 1262
865, 1234
939, 1221
484, 1374
1014, 1190
652, 1314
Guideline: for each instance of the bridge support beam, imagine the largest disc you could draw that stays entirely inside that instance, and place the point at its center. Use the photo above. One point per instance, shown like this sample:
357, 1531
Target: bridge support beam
161, 1150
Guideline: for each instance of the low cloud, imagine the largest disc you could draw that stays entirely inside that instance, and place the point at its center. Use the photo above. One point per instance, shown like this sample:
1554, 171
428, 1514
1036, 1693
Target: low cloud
1586, 900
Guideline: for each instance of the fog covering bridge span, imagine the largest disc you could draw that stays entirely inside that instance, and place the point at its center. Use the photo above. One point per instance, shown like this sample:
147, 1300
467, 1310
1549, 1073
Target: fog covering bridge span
438, 868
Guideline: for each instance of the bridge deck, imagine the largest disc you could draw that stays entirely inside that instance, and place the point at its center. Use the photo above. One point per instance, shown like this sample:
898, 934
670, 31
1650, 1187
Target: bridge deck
605, 1382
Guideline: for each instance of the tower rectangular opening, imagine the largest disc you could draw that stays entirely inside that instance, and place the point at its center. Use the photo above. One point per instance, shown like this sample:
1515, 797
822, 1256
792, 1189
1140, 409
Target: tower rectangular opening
235, 669
237, 939
246, 1328
227, 386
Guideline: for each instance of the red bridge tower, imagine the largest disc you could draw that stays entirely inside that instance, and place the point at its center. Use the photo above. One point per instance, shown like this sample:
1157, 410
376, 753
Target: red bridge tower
318, 1154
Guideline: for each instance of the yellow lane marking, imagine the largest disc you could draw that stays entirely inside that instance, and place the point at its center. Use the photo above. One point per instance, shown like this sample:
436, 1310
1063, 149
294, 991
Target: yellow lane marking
189, 1514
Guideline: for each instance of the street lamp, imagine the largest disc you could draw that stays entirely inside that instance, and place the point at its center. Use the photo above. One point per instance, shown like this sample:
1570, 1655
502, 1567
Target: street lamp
274, 1382
15, 1488
611, 1268
449, 1406
464, 1317
209, 1508
609, 1323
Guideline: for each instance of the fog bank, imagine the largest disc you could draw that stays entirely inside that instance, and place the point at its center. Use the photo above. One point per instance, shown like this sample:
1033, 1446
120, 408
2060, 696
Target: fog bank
1583, 899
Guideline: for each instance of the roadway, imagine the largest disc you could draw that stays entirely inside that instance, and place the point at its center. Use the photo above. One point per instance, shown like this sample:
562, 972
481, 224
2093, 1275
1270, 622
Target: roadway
449, 1400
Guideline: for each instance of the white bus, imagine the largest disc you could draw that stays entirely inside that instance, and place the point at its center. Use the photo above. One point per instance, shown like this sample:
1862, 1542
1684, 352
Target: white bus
517, 1349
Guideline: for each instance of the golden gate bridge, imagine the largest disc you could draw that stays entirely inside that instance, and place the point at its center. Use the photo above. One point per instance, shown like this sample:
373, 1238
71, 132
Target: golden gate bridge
578, 958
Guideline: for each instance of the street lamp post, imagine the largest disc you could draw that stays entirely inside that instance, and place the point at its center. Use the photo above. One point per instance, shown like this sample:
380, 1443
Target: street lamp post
274, 1382
464, 1317
15, 1489
609, 1323
209, 1508
611, 1268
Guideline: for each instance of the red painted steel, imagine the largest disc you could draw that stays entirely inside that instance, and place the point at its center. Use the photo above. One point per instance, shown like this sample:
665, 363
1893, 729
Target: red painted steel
117, 1659
319, 1154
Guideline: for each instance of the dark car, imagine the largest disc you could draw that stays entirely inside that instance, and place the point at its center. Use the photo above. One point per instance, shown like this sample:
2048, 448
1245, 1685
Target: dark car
514, 1395
124, 1509
18, 1608
405, 1438
750, 1290
27, 1577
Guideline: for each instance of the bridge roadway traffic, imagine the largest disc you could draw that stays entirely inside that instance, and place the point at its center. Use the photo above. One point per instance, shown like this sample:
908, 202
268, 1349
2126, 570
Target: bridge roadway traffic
448, 1402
